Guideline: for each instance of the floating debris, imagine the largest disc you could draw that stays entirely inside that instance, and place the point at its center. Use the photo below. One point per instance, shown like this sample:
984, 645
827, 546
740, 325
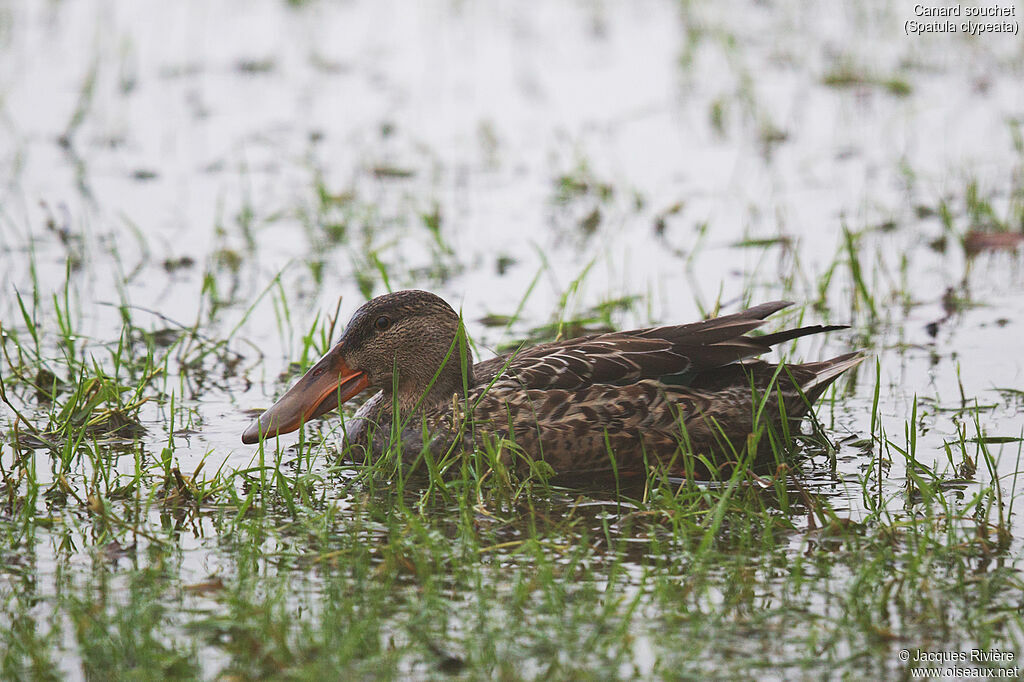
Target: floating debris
392, 173
977, 241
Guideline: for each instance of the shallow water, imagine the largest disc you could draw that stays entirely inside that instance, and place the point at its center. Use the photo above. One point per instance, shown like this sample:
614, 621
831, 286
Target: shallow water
684, 153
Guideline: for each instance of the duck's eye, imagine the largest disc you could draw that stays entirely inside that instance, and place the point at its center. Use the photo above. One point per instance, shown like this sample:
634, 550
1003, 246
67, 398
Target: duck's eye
382, 323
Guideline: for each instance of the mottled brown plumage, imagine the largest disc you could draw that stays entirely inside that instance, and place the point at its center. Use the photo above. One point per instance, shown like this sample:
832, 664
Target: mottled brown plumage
648, 396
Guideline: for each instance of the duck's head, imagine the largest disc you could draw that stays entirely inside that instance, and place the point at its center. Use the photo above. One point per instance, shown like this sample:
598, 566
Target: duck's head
405, 341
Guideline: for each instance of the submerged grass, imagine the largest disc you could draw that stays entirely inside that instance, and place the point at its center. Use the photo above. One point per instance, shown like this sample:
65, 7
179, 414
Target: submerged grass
118, 561
330, 570
311, 567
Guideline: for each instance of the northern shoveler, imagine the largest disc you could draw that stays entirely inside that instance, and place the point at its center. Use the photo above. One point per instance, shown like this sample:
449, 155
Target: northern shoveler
646, 396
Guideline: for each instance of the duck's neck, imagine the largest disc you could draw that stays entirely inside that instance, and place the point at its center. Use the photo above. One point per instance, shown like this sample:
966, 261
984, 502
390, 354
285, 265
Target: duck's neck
421, 388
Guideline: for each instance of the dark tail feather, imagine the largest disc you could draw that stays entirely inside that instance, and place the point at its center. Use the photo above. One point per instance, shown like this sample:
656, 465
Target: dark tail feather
760, 311
768, 340
718, 328
826, 372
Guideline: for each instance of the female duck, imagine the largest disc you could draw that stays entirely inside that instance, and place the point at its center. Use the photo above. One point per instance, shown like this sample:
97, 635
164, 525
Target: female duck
660, 395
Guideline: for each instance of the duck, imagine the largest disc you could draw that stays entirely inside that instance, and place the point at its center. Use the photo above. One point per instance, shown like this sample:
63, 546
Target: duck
682, 397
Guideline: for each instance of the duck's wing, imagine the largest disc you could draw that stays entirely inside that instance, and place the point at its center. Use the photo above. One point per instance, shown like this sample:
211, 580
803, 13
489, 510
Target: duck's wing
630, 356
628, 427
809, 379
594, 428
